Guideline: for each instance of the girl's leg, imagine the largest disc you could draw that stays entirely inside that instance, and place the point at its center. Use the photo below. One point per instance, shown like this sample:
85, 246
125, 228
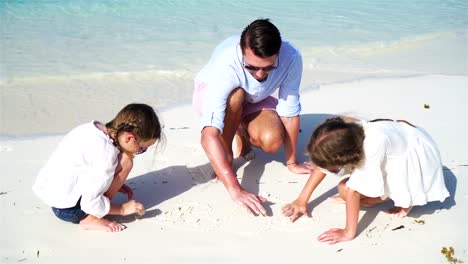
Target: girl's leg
399, 211
369, 201
365, 200
93, 223
124, 166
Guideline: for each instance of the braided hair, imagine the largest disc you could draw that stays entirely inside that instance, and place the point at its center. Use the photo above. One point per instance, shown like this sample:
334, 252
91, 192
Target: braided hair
139, 119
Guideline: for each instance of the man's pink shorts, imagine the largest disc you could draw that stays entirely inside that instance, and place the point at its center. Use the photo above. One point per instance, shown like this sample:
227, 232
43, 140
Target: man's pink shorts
268, 103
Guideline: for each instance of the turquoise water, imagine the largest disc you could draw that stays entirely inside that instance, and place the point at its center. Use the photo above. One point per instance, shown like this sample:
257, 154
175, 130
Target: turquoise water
69, 37
65, 62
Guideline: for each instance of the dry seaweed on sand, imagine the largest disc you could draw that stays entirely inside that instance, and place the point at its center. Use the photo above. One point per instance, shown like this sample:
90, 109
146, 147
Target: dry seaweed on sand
421, 222
399, 227
448, 253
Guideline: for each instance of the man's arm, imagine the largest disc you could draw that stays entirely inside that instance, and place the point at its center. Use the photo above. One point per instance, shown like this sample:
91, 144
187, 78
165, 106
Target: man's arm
213, 147
211, 142
291, 125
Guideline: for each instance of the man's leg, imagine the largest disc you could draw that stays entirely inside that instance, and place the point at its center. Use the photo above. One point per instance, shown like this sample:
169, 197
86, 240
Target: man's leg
265, 130
232, 120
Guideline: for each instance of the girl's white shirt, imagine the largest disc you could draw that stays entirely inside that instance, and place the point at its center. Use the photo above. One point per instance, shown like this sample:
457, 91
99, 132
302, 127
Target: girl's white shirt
83, 165
402, 163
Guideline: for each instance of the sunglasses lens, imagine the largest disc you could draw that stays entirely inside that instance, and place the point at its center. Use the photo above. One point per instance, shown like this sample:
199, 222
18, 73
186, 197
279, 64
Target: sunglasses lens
251, 68
141, 151
256, 69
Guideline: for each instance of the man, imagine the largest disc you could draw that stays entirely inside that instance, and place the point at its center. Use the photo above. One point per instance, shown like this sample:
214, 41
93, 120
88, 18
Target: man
233, 94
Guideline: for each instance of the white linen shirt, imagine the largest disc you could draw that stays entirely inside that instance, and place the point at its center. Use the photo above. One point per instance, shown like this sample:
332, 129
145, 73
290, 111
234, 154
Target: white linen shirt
225, 72
83, 165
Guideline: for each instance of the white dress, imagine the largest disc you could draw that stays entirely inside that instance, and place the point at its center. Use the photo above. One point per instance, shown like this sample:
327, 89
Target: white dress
401, 163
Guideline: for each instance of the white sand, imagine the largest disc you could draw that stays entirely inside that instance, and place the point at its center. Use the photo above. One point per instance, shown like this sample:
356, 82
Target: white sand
191, 219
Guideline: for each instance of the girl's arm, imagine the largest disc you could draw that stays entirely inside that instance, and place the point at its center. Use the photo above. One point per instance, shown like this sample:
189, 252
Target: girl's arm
299, 206
124, 166
353, 202
336, 235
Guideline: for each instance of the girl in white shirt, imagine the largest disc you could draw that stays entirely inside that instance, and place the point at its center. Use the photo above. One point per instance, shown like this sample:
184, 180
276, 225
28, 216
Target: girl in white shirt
386, 159
90, 165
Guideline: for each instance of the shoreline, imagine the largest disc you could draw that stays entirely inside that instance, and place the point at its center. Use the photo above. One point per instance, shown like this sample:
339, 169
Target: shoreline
59, 117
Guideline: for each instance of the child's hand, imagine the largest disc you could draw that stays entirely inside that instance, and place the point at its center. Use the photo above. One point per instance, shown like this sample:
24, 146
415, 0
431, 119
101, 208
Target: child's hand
125, 189
335, 235
133, 207
294, 210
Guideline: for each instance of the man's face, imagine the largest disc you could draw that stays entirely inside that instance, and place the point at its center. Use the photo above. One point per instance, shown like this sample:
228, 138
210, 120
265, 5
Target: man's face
259, 67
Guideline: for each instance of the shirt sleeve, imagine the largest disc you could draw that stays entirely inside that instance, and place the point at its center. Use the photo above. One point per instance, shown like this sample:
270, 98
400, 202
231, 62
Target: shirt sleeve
368, 179
103, 162
289, 100
219, 87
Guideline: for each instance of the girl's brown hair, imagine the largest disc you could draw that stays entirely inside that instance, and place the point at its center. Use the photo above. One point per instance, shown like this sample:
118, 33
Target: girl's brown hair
336, 143
139, 119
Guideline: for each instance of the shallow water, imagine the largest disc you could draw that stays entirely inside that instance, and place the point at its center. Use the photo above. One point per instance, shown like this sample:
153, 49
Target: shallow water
60, 56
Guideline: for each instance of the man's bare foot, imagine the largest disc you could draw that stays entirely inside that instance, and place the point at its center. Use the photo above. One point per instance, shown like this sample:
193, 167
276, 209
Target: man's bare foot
94, 223
242, 146
399, 211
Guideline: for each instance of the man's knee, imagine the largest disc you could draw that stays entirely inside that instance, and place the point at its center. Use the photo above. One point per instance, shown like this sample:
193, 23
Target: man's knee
236, 99
271, 141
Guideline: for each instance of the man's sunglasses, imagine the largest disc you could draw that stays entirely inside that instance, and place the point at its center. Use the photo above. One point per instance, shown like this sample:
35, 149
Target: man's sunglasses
264, 69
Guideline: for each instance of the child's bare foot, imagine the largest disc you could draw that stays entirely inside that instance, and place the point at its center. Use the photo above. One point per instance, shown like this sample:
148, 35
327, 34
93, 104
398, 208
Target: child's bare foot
399, 211
242, 146
94, 223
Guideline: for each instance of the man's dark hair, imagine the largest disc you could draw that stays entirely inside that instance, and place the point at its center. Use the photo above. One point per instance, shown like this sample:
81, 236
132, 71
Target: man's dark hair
262, 37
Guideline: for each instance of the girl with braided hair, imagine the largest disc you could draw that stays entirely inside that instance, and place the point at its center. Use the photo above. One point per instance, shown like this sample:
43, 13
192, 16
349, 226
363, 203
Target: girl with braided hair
386, 159
90, 165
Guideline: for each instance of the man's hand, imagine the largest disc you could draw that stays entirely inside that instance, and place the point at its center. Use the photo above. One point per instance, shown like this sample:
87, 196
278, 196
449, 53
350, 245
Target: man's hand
251, 202
294, 210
